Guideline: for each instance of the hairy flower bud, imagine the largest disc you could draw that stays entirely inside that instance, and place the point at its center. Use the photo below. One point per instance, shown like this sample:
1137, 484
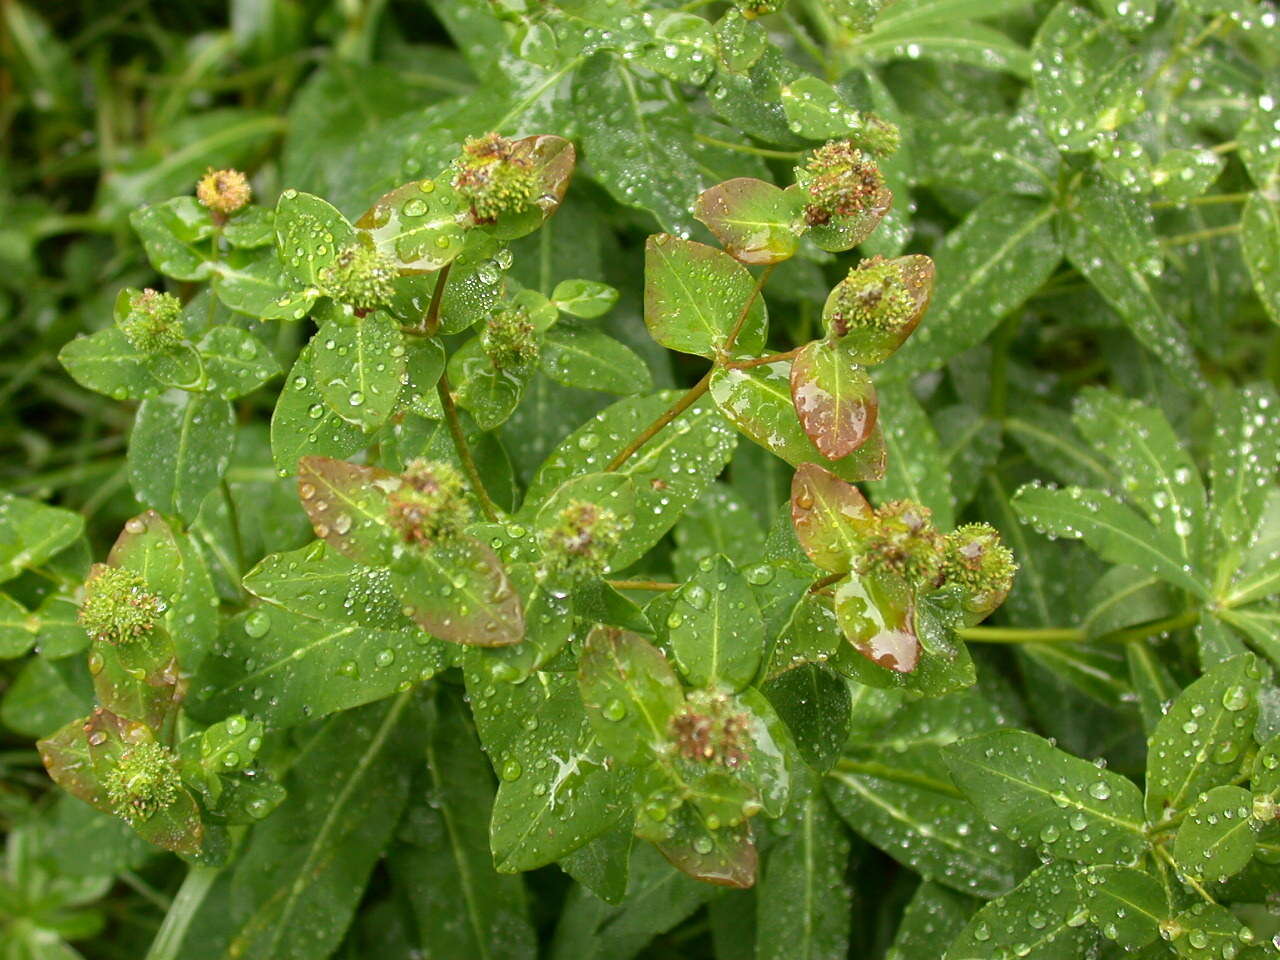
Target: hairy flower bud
900, 537
582, 541
839, 180
117, 606
154, 321
360, 277
494, 176
431, 504
874, 295
980, 565
708, 731
144, 781
223, 191
509, 339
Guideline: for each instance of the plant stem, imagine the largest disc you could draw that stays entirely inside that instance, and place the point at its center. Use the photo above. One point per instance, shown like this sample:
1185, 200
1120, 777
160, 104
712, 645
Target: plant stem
761, 361
825, 582
191, 895
746, 148
1226, 147
1189, 881
1206, 200
1019, 635
431, 322
648, 433
730, 340
1198, 235
464, 451
659, 585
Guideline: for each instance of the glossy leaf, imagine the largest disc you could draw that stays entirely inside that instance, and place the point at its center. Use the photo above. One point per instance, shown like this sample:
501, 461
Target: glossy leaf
235, 361
32, 533
755, 221
1043, 918
1219, 835
821, 507
834, 398
1260, 243
304, 425
358, 367
310, 233
419, 226
630, 694
175, 235
179, 450
579, 357
715, 628
1127, 905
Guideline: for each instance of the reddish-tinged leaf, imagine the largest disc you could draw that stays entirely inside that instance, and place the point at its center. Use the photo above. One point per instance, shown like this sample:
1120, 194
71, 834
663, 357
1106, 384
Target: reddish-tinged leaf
877, 615
65, 755
874, 344
347, 505
821, 508
756, 221
458, 591
834, 399
725, 856
420, 226
843, 233
554, 159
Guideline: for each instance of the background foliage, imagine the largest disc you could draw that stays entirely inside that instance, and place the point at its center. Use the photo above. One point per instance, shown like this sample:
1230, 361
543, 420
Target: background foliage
1098, 184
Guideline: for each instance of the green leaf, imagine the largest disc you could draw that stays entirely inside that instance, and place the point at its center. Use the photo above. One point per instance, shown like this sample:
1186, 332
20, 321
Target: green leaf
988, 154
934, 916
630, 694
1209, 931
917, 468
298, 882
580, 357
303, 425
1218, 837
1043, 918
987, 267
1266, 769
458, 591
927, 827
584, 298
359, 366
755, 221
695, 296
179, 450
463, 906
285, 668
309, 234
639, 145
670, 471
31, 533
348, 508
1108, 237
1127, 905
968, 43
725, 856
253, 282
1260, 244
721, 521
1154, 466
559, 789
816, 706
105, 362
717, 634
1243, 459
1039, 794
1086, 80
834, 399
758, 401
235, 361
1115, 531
1199, 742
174, 235
419, 226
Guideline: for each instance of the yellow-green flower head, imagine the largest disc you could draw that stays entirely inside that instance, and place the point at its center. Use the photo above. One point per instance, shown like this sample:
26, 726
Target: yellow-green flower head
839, 180
509, 339
878, 135
118, 608
759, 8
144, 781
899, 537
154, 321
582, 541
360, 277
494, 176
980, 565
709, 731
224, 191
874, 294
430, 505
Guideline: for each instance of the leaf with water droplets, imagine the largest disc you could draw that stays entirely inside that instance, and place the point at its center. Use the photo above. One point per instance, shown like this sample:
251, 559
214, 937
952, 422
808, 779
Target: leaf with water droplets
347, 506
834, 399
179, 450
1116, 532
309, 234
725, 856
458, 591
1209, 931
1126, 904
31, 532
755, 221
815, 704
419, 226
1243, 459
1041, 795
695, 297
630, 694
716, 632
877, 613
286, 668
65, 755
822, 507
303, 425
1260, 244
174, 235
1086, 78
586, 358
934, 916
105, 362
917, 468
359, 366
1219, 835
804, 901
1043, 918
551, 160
235, 361
758, 401
254, 282
1200, 741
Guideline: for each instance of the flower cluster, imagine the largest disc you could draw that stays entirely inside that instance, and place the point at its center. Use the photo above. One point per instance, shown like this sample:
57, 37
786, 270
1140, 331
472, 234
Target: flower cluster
839, 180
899, 537
582, 541
144, 781
117, 606
494, 176
224, 191
875, 295
430, 505
360, 277
708, 731
510, 340
153, 322
979, 565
